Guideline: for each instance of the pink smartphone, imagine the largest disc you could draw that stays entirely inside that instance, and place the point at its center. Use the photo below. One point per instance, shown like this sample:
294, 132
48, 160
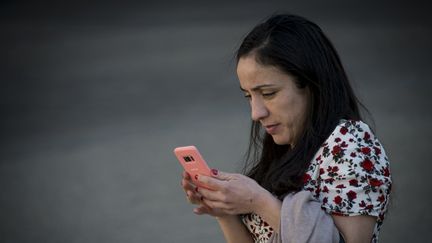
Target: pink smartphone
193, 163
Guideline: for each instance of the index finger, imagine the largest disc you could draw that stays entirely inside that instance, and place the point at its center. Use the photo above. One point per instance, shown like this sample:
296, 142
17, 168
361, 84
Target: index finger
211, 182
186, 175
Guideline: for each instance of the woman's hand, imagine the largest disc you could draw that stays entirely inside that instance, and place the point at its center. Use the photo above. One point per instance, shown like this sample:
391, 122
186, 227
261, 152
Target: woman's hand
231, 194
194, 197
190, 189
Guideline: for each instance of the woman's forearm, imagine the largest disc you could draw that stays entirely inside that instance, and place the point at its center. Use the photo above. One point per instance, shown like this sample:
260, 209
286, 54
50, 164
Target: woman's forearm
234, 230
269, 208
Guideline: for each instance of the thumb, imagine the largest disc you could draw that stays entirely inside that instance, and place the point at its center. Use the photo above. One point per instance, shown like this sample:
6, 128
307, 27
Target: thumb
220, 175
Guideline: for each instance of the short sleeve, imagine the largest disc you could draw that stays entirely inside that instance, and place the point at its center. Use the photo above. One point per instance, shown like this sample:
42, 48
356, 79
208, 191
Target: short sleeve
354, 172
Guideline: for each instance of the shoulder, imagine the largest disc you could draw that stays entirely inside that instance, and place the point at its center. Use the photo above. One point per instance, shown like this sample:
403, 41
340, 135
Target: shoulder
350, 140
354, 176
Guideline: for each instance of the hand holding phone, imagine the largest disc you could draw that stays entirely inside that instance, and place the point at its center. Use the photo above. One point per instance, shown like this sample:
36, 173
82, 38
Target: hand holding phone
193, 163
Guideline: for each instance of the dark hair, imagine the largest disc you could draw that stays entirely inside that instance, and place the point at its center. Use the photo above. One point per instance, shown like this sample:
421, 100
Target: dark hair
299, 48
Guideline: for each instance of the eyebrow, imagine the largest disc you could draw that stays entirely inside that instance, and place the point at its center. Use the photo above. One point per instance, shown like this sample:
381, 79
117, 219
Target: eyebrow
258, 87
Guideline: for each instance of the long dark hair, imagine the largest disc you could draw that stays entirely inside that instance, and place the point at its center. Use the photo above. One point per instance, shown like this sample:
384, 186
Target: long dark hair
299, 48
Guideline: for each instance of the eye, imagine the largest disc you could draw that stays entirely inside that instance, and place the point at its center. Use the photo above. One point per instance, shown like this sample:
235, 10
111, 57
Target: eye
269, 94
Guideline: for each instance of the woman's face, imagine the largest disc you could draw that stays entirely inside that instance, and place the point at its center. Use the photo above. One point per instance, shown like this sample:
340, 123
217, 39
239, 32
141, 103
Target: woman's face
276, 102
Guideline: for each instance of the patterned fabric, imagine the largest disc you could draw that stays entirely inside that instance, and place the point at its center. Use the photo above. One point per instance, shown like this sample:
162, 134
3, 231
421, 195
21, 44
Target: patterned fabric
261, 230
349, 174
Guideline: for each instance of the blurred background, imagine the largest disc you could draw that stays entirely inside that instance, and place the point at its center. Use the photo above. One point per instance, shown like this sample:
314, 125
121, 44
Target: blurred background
94, 97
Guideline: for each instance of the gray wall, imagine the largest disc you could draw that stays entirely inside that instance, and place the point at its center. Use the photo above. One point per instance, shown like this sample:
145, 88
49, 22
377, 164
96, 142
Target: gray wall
94, 97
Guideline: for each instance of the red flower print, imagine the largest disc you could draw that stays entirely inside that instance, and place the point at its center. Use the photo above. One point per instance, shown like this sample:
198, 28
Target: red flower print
306, 178
348, 173
340, 186
332, 169
343, 130
344, 144
375, 182
353, 182
386, 172
337, 200
377, 150
365, 150
336, 150
367, 165
325, 189
366, 136
351, 195
337, 213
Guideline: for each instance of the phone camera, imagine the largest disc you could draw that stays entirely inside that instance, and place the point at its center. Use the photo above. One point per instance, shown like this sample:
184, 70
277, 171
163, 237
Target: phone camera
188, 158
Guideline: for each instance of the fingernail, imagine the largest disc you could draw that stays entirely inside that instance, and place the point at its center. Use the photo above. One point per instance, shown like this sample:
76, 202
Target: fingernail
214, 172
196, 177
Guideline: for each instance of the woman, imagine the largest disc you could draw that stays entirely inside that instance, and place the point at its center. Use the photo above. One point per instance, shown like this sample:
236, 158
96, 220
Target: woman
319, 174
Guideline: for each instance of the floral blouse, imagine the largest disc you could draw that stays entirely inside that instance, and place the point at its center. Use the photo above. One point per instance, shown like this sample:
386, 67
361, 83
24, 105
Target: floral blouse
349, 174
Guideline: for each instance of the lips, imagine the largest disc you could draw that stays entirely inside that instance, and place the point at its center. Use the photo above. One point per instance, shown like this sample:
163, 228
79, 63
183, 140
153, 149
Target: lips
271, 129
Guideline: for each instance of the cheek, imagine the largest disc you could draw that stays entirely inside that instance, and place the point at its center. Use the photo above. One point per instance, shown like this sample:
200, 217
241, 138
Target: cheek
294, 114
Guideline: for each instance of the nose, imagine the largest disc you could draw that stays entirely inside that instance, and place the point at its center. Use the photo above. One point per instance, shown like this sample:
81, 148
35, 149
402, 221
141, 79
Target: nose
258, 110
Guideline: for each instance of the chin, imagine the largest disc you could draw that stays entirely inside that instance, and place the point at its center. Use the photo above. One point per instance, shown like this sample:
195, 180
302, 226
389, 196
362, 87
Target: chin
280, 141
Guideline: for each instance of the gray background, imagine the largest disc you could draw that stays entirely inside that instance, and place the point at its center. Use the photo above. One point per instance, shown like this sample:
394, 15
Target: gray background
95, 96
